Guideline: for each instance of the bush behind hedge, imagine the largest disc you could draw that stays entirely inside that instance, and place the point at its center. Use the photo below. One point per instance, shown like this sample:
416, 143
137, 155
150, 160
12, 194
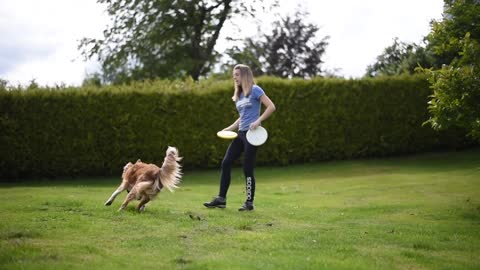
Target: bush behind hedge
95, 131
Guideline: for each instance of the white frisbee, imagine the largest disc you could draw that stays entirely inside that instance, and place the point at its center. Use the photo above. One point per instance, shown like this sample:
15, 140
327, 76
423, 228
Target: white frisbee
226, 134
257, 136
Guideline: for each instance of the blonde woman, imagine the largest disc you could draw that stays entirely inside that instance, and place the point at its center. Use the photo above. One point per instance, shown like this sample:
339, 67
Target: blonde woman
248, 98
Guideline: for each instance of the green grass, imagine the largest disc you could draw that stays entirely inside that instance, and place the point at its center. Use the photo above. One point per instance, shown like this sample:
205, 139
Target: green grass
416, 212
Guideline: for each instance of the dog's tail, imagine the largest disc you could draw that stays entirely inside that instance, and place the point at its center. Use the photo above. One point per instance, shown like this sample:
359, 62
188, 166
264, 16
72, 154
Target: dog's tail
171, 170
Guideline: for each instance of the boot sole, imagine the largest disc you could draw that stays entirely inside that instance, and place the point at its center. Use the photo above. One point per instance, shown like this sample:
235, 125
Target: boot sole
215, 206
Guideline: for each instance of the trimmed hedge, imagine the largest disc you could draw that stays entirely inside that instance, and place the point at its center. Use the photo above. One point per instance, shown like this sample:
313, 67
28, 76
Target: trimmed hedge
95, 131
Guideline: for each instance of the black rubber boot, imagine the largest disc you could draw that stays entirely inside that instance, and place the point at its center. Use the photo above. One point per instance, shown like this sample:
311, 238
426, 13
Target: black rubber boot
247, 206
217, 202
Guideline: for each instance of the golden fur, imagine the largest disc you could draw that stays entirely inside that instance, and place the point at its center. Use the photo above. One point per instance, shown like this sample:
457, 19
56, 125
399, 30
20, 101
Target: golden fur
144, 181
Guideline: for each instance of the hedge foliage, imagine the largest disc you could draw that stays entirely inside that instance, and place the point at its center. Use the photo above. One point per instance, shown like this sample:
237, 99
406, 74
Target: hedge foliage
95, 131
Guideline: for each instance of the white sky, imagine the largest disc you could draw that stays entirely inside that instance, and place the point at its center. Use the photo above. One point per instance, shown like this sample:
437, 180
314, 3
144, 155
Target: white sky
39, 39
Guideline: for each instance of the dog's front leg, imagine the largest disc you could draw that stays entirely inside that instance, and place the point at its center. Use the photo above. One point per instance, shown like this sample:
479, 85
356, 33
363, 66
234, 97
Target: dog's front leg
119, 190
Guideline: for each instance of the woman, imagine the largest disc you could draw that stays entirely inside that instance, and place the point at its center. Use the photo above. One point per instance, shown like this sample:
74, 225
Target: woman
248, 98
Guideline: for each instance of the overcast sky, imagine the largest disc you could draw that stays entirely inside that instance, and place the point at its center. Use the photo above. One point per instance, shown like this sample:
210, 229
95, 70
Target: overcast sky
39, 38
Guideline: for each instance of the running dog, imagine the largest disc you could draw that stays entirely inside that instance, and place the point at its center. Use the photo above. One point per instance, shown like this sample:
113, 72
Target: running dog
144, 181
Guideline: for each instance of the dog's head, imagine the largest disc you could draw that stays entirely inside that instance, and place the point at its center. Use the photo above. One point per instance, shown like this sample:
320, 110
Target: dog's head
128, 165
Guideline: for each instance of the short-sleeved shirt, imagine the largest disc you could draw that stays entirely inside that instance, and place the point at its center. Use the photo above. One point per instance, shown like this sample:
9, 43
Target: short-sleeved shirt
249, 107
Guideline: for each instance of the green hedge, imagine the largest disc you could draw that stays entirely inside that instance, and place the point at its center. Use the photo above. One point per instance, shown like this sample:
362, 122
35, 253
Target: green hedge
95, 131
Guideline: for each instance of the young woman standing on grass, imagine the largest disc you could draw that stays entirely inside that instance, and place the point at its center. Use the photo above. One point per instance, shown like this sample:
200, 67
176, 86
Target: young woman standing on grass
248, 98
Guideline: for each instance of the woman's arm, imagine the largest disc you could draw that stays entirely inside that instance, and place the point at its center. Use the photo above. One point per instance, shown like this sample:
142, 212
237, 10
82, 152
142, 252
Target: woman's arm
234, 126
270, 108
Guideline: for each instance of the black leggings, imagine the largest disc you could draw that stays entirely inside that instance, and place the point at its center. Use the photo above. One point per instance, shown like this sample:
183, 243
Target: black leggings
235, 149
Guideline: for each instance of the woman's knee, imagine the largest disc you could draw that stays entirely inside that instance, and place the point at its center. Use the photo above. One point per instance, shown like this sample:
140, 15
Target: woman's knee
226, 163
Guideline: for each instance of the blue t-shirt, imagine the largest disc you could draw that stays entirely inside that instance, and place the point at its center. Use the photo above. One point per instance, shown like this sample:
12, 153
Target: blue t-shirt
249, 107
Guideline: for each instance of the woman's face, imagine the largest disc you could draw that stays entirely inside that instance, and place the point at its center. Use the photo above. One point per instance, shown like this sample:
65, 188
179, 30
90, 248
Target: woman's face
237, 77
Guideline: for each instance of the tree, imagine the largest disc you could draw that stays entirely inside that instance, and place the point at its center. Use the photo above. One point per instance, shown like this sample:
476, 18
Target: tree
400, 58
94, 79
291, 50
459, 17
456, 39
456, 98
443, 43
3, 84
159, 38
250, 55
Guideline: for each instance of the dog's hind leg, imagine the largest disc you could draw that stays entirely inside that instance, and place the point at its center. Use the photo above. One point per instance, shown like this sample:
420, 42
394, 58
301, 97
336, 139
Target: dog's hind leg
141, 205
136, 190
119, 190
129, 198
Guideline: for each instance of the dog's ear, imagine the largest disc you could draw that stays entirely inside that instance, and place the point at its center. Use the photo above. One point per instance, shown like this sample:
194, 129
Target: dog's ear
128, 165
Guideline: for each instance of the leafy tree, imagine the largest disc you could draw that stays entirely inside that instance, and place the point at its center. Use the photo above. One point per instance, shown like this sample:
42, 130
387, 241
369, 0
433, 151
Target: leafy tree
290, 50
94, 79
3, 84
160, 38
33, 85
456, 85
400, 58
459, 18
251, 55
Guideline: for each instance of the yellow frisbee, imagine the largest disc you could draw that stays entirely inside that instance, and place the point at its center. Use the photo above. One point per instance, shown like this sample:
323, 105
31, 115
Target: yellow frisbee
226, 134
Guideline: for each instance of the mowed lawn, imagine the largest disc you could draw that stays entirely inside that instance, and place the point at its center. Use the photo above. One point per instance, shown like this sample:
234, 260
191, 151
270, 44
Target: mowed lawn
414, 212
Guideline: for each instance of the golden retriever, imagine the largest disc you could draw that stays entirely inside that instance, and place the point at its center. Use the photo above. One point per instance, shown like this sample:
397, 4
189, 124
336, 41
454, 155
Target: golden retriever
144, 181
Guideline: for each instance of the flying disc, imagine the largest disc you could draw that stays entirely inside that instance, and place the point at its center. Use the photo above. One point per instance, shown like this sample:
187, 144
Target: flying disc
226, 134
257, 136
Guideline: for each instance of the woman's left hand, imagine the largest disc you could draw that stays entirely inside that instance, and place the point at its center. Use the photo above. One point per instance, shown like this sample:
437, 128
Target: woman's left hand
255, 124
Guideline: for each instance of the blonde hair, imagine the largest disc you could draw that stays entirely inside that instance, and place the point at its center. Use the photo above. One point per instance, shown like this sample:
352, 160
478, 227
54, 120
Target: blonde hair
246, 80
